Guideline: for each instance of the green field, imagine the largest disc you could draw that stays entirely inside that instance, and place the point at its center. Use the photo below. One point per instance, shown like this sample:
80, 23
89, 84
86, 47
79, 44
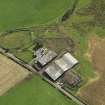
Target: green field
34, 92
22, 13
19, 13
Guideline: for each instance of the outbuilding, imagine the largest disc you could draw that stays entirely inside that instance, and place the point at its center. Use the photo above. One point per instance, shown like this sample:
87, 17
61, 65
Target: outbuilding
60, 66
46, 58
66, 62
54, 71
71, 78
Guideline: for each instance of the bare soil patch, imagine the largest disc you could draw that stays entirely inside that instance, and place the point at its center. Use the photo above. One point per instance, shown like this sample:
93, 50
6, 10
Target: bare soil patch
94, 92
10, 74
60, 44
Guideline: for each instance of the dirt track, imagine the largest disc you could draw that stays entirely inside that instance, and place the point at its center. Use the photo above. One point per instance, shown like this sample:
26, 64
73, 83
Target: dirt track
94, 93
10, 74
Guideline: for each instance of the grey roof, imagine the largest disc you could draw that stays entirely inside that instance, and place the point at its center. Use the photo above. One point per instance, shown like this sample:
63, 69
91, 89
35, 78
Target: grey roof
54, 71
39, 52
66, 62
46, 58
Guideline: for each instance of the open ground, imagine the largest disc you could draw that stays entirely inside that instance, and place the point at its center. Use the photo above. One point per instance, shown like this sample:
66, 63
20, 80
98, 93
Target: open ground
10, 74
94, 92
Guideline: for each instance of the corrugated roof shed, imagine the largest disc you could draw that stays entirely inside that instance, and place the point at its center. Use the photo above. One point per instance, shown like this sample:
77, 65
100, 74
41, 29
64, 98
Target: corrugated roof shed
54, 71
66, 62
61, 65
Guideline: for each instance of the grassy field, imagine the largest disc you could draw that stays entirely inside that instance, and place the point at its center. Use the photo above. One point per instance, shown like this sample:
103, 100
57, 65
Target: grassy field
16, 40
34, 92
20, 13
87, 92
80, 26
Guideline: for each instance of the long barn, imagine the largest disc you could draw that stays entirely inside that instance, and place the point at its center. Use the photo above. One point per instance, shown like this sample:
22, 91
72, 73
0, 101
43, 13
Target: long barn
59, 66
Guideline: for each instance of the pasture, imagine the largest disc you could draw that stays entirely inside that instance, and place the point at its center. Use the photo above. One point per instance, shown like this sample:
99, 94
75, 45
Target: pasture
15, 41
35, 91
79, 27
22, 13
10, 74
18, 43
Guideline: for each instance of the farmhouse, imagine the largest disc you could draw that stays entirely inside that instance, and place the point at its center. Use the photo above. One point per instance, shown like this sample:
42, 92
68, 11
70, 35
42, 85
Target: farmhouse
60, 66
40, 52
44, 56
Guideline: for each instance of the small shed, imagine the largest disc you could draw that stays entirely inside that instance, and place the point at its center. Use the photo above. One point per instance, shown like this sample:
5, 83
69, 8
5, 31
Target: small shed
71, 78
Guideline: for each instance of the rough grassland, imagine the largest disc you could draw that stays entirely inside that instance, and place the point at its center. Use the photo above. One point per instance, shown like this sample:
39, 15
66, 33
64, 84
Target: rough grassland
79, 33
34, 92
94, 92
10, 74
16, 40
19, 13
18, 43
86, 21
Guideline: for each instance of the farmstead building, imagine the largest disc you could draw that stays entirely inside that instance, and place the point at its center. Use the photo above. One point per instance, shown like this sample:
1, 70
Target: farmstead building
66, 62
60, 66
44, 56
